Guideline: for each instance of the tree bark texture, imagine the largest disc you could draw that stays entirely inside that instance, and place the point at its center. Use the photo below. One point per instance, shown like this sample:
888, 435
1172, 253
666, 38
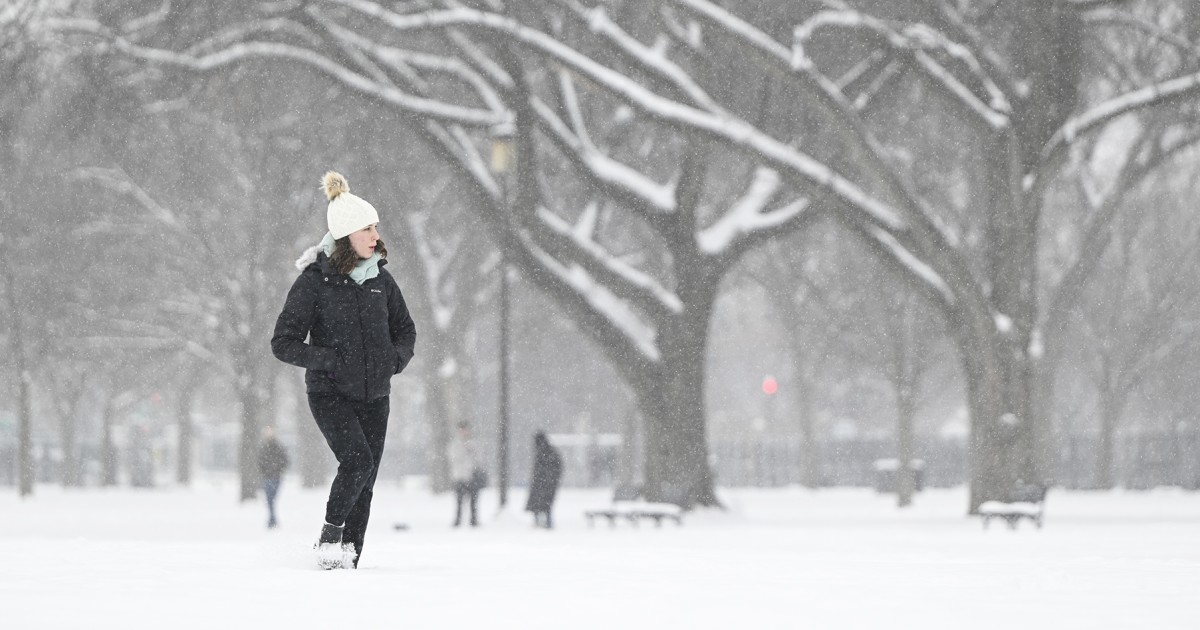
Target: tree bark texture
17, 350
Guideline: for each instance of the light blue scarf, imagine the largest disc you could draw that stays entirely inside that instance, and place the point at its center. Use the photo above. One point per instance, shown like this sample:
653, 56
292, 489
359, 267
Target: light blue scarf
364, 270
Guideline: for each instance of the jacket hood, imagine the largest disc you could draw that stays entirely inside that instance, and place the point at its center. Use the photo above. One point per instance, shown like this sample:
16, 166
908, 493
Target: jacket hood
308, 257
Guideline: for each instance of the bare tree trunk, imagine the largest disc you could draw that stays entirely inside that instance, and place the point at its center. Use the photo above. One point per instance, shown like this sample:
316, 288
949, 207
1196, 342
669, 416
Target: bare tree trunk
1110, 416
1046, 49
315, 458
252, 410
250, 311
676, 448
994, 445
184, 396
996, 355
1046, 435
25, 465
677, 468
627, 464
906, 394
183, 463
108, 450
69, 390
810, 467
20, 87
255, 397
444, 395
71, 473
905, 473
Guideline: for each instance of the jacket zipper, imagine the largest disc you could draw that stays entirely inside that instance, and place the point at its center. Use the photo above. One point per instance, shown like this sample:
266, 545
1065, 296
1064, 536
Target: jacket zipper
362, 340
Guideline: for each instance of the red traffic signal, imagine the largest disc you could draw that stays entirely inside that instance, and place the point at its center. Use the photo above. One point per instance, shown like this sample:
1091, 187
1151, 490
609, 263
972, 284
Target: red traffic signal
770, 386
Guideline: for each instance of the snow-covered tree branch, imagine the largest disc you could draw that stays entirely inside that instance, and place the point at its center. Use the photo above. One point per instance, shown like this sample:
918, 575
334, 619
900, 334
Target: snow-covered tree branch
703, 157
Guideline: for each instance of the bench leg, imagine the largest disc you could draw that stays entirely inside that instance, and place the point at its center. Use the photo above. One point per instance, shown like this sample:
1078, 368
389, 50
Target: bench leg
1013, 521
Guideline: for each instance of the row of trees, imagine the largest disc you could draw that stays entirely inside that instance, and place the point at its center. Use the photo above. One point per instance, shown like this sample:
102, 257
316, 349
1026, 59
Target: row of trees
996, 161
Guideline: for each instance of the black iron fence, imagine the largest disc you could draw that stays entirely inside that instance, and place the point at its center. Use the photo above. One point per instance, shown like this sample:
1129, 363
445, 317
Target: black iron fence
1140, 460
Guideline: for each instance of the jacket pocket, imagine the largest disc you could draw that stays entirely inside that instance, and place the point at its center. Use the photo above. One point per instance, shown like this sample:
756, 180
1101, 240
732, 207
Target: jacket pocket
326, 359
402, 359
335, 371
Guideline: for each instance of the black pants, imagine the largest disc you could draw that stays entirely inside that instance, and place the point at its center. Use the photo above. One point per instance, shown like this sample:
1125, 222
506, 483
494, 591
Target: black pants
465, 490
355, 431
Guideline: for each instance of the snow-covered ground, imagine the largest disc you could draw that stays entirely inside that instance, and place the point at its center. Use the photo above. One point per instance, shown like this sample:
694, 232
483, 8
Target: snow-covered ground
172, 558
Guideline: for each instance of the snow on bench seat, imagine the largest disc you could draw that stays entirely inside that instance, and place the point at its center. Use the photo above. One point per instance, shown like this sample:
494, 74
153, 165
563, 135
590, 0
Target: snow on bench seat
635, 510
1030, 503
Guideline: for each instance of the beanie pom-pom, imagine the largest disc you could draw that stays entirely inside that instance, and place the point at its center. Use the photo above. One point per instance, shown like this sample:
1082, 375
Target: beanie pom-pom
334, 184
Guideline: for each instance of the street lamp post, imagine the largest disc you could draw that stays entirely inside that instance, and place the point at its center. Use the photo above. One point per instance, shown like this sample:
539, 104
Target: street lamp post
503, 152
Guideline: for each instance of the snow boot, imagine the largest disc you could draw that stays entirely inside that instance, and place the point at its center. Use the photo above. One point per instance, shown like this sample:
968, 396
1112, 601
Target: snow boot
332, 553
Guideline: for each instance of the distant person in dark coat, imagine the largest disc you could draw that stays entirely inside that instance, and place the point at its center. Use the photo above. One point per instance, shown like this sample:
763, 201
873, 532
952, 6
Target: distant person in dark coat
272, 461
547, 472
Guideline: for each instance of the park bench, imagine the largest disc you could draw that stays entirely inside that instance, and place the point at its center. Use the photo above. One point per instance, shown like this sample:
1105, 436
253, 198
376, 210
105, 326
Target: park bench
628, 505
887, 474
1028, 501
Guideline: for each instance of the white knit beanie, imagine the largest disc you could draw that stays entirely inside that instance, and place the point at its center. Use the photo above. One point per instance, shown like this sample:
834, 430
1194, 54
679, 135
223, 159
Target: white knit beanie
347, 213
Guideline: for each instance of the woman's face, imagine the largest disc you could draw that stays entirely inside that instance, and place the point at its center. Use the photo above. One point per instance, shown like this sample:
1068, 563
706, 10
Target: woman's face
363, 241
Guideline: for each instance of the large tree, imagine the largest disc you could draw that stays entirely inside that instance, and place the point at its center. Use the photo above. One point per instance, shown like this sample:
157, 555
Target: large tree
712, 130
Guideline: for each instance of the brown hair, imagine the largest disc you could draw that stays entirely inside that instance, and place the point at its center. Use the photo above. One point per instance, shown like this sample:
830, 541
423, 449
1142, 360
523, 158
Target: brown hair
344, 259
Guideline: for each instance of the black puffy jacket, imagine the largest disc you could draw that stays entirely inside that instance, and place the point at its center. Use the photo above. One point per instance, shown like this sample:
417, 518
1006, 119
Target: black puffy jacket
361, 335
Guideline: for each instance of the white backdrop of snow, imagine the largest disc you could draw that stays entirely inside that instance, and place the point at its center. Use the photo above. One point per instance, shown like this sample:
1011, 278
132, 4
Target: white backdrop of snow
782, 558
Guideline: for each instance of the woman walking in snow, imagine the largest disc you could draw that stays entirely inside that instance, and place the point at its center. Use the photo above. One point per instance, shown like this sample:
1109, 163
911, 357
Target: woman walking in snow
361, 335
